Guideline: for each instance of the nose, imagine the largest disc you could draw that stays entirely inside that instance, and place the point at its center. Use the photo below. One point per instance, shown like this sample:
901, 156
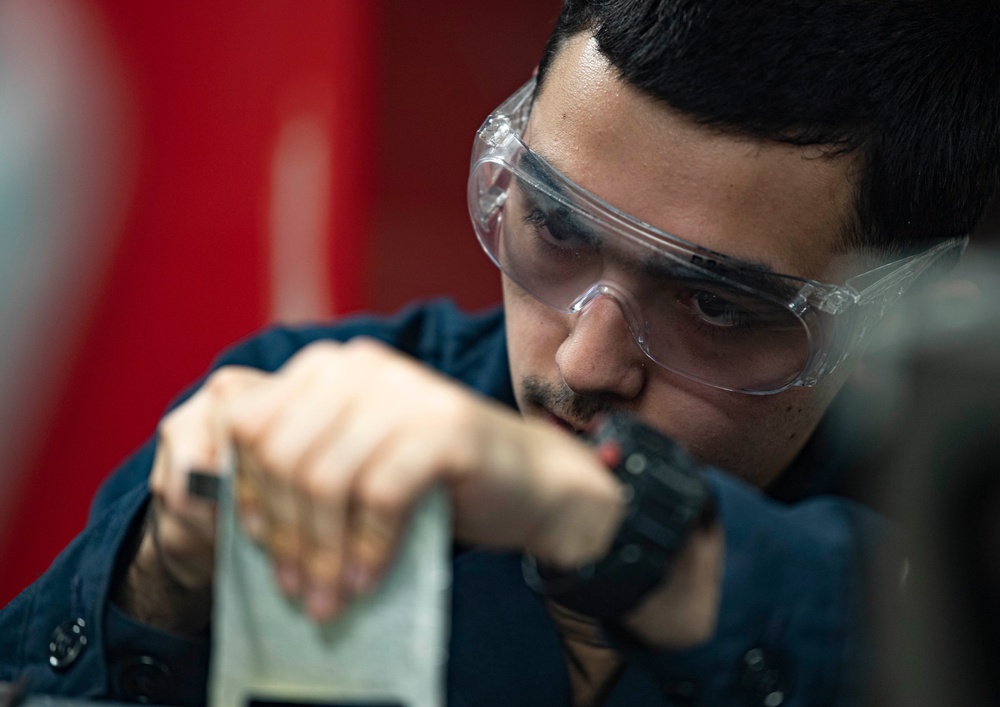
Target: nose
600, 357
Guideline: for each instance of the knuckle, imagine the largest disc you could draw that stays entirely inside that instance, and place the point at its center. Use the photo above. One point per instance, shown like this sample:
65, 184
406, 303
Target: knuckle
273, 455
317, 353
249, 421
224, 380
166, 431
157, 485
242, 399
323, 347
321, 486
244, 425
366, 345
367, 353
178, 437
453, 408
381, 499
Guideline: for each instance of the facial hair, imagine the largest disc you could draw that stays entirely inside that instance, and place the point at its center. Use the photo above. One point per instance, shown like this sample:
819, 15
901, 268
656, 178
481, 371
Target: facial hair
562, 402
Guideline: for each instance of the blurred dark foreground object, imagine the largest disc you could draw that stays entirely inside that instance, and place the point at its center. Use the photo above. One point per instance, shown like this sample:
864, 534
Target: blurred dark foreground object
929, 445
14, 695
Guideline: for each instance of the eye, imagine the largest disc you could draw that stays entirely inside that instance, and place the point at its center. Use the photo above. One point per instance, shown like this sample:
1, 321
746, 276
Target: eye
554, 226
719, 311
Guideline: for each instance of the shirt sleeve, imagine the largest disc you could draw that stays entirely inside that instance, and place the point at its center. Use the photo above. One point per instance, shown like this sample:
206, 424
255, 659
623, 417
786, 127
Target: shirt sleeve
64, 637
790, 629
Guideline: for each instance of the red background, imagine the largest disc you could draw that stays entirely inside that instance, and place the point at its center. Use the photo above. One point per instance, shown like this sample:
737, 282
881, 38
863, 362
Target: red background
208, 84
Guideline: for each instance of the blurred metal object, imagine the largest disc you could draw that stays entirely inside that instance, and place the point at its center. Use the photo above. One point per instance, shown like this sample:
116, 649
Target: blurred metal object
389, 648
930, 441
54, 701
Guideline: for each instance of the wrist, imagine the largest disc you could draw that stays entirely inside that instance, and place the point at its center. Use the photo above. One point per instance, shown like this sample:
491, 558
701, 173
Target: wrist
682, 611
666, 501
151, 591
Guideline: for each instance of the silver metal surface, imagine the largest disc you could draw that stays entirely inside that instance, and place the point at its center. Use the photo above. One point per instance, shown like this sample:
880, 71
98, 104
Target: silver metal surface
389, 647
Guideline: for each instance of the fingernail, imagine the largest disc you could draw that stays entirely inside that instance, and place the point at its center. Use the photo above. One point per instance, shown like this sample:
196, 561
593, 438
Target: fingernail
253, 524
289, 578
358, 578
321, 603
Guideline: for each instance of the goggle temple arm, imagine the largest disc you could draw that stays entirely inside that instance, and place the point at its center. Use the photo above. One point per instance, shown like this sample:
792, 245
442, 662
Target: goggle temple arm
866, 298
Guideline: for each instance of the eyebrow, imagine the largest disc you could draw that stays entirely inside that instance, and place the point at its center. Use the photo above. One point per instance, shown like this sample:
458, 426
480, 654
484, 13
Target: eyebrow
750, 273
539, 171
744, 274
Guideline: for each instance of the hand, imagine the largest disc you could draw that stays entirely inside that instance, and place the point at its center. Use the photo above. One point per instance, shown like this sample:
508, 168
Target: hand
334, 450
169, 581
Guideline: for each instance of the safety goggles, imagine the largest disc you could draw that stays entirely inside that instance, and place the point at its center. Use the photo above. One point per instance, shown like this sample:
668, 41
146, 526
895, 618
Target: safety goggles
704, 315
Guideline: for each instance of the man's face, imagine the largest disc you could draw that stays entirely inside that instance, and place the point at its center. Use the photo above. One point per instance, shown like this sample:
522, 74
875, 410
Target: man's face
780, 205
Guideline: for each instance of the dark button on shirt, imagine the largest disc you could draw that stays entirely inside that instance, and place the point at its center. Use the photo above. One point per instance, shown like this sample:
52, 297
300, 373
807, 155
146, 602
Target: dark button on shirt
763, 682
67, 643
144, 679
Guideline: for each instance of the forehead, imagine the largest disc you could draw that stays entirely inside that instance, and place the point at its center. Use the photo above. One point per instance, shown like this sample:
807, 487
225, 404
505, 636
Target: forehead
781, 205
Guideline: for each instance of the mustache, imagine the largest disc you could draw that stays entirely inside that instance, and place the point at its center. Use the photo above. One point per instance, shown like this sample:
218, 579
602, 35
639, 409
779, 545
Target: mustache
560, 400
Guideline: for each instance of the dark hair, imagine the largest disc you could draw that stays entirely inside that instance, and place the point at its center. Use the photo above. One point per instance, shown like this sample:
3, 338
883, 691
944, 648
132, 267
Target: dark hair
911, 84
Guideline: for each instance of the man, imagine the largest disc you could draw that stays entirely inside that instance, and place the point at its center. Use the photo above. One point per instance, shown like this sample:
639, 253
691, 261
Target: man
690, 175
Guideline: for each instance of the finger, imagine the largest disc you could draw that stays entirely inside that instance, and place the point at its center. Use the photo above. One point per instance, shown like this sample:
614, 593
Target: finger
182, 525
539, 489
268, 512
221, 388
359, 436
324, 487
389, 485
284, 532
248, 491
300, 417
245, 415
191, 436
324, 480
184, 441
323, 555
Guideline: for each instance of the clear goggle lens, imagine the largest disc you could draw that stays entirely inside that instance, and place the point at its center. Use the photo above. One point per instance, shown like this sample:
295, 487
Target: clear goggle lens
685, 318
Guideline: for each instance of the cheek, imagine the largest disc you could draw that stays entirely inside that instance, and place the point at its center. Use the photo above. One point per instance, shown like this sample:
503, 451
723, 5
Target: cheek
534, 334
755, 437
